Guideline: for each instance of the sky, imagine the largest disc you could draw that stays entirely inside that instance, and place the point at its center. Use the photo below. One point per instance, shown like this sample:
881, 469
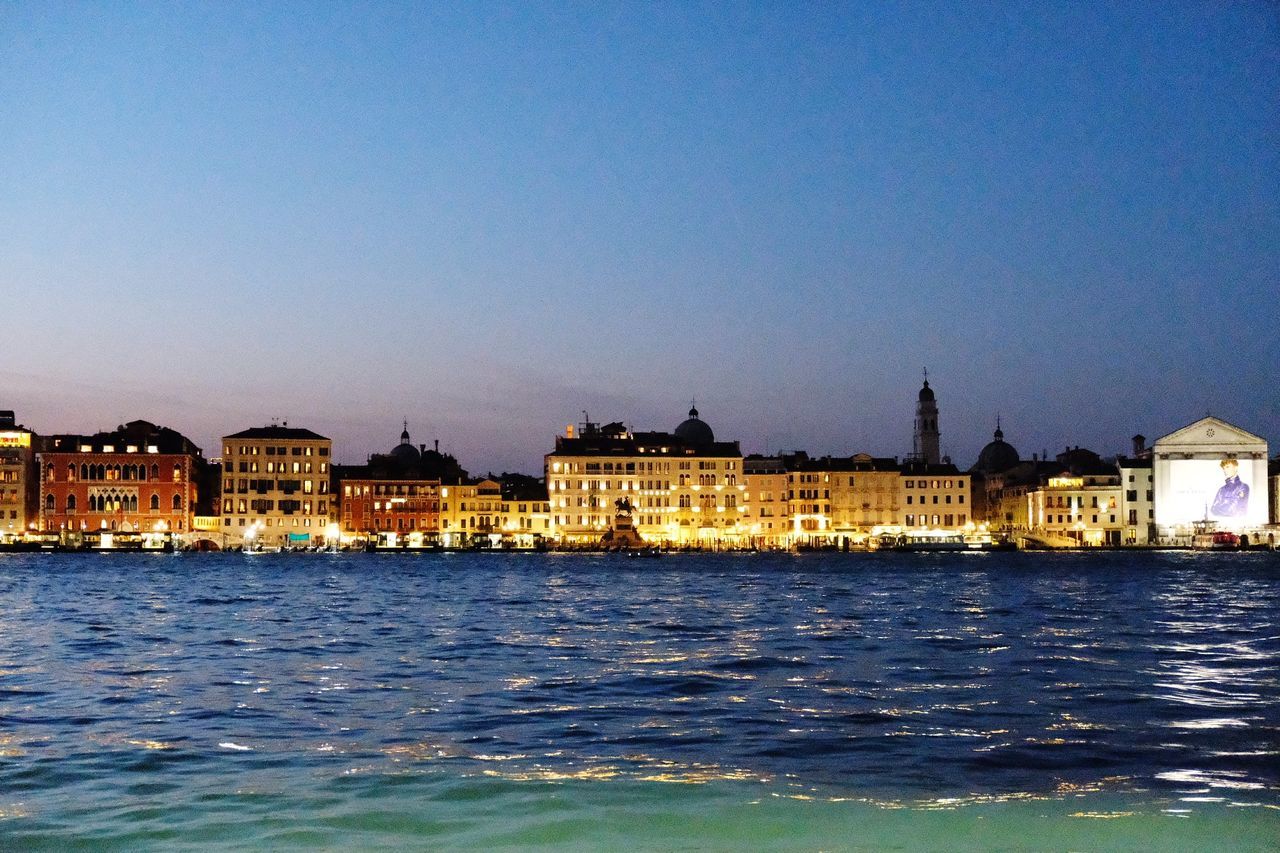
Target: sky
488, 218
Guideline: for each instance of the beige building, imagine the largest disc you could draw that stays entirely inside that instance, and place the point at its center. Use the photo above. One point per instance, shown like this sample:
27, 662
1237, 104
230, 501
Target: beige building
18, 480
768, 516
1082, 509
275, 486
482, 513
935, 497
684, 488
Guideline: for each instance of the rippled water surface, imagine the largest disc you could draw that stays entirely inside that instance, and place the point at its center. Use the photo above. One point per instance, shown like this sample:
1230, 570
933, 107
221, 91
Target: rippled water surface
822, 701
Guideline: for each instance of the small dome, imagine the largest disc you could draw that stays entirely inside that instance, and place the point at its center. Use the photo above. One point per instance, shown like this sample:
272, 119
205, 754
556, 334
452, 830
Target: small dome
405, 453
999, 455
926, 393
695, 431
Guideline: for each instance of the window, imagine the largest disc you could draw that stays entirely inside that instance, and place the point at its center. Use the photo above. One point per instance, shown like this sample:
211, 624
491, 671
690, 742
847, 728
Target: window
177, 503
155, 501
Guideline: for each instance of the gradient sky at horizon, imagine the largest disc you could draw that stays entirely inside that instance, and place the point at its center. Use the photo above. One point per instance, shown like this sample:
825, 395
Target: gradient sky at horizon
487, 218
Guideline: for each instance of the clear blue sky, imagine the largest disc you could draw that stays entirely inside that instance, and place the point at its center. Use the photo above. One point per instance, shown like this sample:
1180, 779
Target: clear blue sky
488, 217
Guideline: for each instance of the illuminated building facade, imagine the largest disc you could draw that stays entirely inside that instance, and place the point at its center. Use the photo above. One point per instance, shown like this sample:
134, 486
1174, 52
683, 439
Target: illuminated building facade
1079, 504
1213, 472
684, 487
409, 509
841, 501
141, 478
492, 514
768, 517
18, 480
275, 486
935, 496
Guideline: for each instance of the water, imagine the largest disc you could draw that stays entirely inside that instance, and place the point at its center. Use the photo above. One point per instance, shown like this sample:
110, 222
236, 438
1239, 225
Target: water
1054, 701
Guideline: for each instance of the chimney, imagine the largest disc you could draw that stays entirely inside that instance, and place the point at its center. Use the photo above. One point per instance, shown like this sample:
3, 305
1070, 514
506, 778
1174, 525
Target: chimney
1139, 444
437, 445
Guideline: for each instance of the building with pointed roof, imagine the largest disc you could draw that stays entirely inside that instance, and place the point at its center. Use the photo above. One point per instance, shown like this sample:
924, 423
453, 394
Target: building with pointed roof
1209, 471
927, 441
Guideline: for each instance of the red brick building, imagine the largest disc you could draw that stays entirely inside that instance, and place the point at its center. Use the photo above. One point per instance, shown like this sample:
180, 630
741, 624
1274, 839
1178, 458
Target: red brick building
390, 506
139, 478
395, 492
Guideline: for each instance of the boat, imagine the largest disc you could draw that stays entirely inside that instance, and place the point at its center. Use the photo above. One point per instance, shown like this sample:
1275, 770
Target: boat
1206, 537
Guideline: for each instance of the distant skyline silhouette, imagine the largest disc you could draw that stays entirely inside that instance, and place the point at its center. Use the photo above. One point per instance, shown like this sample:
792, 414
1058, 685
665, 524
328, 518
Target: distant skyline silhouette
487, 219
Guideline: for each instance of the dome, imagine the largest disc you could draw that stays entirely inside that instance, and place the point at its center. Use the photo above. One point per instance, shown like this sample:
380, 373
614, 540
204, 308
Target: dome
926, 393
404, 452
999, 455
695, 431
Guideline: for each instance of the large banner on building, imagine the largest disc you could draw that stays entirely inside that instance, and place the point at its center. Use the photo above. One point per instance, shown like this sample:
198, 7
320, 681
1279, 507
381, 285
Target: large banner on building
1221, 490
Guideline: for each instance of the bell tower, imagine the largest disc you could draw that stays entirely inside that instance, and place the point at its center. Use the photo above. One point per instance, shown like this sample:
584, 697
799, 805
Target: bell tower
927, 443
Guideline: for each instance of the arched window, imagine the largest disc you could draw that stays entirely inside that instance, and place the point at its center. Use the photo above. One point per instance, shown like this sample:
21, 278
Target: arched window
84, 471
102, 472
71, 473
177, 503
48, 503
142, 472
155, 471
155, 501
71, 503
177, 473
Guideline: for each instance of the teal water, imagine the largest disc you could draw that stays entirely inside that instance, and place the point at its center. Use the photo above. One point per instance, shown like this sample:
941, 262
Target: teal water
1001, 701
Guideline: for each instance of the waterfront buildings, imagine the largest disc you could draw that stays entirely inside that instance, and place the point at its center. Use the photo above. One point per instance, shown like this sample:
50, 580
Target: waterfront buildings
275, 486
138, 479
18, 486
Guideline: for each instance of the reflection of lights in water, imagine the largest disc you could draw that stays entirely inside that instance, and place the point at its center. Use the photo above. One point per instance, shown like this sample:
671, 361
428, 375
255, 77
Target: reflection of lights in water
1210, 778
